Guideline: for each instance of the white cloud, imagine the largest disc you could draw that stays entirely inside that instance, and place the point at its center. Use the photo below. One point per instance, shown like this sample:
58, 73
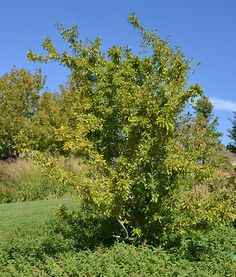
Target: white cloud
220, 104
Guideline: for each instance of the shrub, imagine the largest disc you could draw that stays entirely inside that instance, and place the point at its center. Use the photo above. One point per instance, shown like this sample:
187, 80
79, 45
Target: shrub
71, 246
118, 260
199, 245
121, 111
34, 243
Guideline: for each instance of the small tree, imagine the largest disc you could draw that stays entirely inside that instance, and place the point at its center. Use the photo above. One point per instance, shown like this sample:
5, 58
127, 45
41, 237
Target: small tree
125, 113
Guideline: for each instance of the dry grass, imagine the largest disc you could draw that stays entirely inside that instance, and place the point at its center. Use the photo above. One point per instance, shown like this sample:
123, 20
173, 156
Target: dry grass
18, 170
202, 189
21, 180
76, 166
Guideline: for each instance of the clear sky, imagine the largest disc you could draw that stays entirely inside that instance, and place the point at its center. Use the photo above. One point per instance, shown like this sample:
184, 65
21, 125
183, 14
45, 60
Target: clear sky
204, 29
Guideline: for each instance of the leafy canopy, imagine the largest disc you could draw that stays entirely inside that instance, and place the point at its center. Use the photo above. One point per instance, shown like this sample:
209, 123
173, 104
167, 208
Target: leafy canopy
19, 94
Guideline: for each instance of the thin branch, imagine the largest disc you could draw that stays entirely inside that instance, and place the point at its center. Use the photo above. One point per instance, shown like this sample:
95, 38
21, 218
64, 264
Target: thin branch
124, 229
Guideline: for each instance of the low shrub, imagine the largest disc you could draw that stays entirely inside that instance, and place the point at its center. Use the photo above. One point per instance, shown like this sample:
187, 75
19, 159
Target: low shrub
118, 260
200, 245
70, 246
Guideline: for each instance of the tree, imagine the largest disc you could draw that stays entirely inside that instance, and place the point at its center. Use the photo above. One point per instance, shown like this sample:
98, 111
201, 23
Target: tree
46, 124
199, 141
125, 114
207, 138
232, 135
206, 196
19, 94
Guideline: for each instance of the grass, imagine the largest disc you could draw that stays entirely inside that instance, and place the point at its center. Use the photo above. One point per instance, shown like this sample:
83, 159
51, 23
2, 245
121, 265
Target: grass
21, 180
25, 214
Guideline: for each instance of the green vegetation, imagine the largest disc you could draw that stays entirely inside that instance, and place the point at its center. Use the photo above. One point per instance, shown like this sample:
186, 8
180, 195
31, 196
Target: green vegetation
232, 135
21, 180
57, 250
15, 215
123, 123
19, 94
156, 190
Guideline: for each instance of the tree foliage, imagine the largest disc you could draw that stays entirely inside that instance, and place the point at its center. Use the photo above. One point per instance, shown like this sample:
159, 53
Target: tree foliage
122, 121
232, 135
207, 196
46, 124
19, 94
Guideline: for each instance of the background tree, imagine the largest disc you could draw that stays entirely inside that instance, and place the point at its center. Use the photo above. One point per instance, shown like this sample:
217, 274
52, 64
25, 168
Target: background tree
19, 94
232, 135
46, 124
206, 196
198, 136
207, 138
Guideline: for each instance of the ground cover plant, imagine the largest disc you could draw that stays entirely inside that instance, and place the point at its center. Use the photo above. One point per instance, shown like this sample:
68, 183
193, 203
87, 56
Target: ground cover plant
58, 249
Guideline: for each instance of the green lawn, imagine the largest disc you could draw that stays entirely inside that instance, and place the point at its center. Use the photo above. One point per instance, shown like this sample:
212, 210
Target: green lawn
25, 214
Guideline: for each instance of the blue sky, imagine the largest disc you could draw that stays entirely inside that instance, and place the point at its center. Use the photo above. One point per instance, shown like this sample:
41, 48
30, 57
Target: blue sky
204, 29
